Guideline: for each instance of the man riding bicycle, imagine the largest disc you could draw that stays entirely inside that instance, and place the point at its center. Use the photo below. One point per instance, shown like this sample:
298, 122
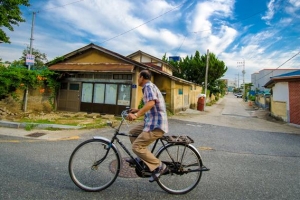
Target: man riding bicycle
154, 126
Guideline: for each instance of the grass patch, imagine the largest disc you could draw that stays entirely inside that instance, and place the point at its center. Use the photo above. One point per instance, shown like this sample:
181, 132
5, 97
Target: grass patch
29, 127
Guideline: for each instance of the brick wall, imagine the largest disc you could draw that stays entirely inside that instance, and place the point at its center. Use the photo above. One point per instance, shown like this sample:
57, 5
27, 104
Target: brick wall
294, 96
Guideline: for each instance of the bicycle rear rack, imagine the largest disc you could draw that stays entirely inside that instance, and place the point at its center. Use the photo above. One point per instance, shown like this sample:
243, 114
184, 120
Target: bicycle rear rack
178, 139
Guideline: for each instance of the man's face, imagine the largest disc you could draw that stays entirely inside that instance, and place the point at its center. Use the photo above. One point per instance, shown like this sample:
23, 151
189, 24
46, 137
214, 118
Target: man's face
140, 80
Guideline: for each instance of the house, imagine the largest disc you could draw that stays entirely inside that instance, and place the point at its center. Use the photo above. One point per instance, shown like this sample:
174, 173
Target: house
259, 79
285, 96
95, 79
152, 61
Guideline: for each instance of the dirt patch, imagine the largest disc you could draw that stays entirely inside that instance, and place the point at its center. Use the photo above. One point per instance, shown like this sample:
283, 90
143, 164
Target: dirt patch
93, 120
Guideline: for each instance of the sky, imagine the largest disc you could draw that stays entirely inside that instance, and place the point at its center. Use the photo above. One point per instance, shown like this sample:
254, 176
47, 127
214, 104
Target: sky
262, 34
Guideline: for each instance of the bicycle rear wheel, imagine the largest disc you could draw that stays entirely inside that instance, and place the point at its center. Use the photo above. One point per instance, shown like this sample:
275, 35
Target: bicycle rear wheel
84, 171
184, 163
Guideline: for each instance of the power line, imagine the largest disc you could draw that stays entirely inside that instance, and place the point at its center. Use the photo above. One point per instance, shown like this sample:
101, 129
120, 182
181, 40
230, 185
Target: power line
64, 5
142, 24
280, 65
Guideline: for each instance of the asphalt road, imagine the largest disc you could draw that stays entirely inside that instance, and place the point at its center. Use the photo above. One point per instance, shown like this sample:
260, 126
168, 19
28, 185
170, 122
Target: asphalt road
245, 163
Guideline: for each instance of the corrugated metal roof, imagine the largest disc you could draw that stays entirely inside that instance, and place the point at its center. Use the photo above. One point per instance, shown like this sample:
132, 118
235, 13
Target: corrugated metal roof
288, 75
92, 67
295, 75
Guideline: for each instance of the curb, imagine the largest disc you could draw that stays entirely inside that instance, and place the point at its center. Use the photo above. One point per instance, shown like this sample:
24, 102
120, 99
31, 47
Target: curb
9, 124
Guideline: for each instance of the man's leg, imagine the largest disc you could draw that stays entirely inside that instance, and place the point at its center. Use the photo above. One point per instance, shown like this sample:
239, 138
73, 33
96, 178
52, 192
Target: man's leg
140, 147
138, 129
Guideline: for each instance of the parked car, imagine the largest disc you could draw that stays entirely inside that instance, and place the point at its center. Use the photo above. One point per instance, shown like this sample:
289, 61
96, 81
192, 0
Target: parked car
239, 95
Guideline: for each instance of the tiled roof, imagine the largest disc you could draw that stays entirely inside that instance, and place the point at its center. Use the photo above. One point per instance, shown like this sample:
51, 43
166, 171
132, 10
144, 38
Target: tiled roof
92, 67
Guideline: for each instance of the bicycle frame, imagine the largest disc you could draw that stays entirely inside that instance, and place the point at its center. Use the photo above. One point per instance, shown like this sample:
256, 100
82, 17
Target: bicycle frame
115, 138
138, 165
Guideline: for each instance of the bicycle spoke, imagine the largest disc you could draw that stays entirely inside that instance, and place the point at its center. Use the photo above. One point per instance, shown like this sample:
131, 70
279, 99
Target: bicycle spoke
86, 170
185, 171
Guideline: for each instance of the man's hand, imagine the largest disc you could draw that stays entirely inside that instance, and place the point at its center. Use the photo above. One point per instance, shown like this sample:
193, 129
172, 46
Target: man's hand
133, 110
131, 116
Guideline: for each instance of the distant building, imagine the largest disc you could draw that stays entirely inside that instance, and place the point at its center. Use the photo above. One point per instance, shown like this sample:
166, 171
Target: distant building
230, 85
259, 79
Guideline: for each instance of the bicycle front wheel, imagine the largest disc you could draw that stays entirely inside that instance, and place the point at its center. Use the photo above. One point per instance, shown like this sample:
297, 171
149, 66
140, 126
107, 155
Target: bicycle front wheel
184, 163
94, 165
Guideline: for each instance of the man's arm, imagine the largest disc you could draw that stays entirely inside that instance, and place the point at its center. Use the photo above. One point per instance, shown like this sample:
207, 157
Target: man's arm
141, 111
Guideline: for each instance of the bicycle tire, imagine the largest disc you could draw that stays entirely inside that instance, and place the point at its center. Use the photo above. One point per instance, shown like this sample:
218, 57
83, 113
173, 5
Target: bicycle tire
81, 162
180, 180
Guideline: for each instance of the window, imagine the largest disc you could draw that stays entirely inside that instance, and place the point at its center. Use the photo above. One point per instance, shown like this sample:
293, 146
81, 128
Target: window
87, 92
74, 86
124, 95
123, 76
99, 93
102, 76
110, 93
180, 92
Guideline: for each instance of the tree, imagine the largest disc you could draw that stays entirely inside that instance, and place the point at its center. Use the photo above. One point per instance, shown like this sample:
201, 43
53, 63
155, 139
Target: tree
39, 58
10, 14
193, 69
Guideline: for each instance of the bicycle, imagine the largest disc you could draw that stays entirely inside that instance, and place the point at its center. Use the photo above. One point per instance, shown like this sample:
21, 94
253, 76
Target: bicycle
95, 163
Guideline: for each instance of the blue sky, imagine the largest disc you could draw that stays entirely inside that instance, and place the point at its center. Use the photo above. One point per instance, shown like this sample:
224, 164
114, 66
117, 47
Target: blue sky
263, 33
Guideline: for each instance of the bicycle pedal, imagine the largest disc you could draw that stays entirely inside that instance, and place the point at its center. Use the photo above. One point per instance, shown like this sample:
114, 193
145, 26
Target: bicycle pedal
131, 165
131, 162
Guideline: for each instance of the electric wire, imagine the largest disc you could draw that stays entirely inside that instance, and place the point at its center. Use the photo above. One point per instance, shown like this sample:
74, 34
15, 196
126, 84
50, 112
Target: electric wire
279, 66
142, 24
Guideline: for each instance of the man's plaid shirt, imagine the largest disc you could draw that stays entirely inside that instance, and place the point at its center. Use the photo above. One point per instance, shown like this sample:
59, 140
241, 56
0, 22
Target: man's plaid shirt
156, 117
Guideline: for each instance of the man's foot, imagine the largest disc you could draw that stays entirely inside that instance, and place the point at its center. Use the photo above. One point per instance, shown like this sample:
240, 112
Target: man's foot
162, 169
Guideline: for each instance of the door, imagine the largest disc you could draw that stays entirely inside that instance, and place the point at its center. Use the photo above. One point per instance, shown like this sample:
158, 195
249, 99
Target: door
69, 97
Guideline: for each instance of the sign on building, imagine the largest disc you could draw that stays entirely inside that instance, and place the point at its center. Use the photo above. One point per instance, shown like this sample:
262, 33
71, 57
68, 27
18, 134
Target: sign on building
174, 58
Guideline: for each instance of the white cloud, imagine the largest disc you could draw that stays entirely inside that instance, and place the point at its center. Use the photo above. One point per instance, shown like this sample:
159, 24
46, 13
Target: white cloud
270, 13
295, 3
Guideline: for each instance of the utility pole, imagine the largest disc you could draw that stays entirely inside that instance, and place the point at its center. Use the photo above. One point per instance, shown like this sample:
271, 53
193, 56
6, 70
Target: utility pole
206, 72
206, 76
238, 80
30, 52
242, 64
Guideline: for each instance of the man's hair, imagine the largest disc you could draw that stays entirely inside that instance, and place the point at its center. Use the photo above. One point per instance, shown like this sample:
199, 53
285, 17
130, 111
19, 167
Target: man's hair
146, 74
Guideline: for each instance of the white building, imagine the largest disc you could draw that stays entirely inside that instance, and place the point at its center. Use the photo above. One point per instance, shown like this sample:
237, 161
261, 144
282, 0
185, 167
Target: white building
259, 79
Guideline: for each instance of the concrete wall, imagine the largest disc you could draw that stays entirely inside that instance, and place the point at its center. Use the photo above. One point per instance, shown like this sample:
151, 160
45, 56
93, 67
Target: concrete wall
281, 93
185, 96
164, 84
263, 101
278, 109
